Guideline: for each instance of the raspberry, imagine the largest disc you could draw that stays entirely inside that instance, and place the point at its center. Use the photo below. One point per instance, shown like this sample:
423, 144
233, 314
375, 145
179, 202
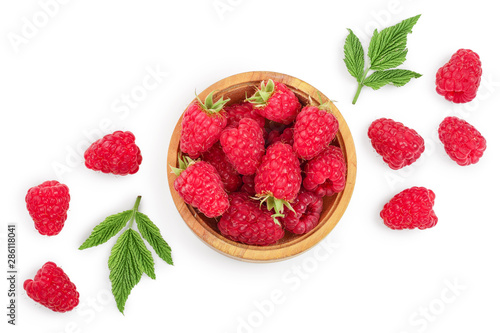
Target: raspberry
273, 137
458, 80
199, 184
285, 137
314, 129
228, 174
248, 185
278, 178
398, 145
236, 112
247, 223
52, 288
201, 126
325, 174
410, 209
307, 209
244, 146
115, 153
47, 205
274, 101
462, 142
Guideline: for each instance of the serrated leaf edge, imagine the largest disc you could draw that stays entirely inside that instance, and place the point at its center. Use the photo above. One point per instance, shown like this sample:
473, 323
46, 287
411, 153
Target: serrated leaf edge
121, 291
395, 38
107, 226
147, 228
143, 256
354, 56
402, 79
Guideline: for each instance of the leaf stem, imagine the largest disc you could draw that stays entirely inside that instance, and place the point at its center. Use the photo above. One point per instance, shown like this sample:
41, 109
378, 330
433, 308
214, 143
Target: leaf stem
134, 210
360, 86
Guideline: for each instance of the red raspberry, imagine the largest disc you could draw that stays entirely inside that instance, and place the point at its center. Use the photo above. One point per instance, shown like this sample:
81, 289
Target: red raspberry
398, 145
458, 80
199, 184
236, 112
52, 288
244, 146
115, 153
314, 129
307, 209
462, 142
228, 174
276, 102
202, 124
278, 178
410, 209
285, 137
273, 137
47, 204
325, 174
247, 223
248, 185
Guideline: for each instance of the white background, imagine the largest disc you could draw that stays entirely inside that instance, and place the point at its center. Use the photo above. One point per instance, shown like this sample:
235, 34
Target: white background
67, 78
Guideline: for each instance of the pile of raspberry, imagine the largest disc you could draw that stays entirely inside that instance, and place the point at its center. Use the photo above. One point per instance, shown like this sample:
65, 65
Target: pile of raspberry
260, 166
400, 146
48, 205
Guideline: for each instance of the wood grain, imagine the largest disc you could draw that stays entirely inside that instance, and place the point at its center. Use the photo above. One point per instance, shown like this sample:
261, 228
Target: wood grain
291, 245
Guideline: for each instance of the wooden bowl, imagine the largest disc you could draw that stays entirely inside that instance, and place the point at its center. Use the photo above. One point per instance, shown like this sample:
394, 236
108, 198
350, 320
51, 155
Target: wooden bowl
235, 87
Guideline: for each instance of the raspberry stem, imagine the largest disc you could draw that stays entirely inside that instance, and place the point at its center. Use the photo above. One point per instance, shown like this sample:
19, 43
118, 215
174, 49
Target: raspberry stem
184, 162
322, 106
276, 205
209, 105
260, 98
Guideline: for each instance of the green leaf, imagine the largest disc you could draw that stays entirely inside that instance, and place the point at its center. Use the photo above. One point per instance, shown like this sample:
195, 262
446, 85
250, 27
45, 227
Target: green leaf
107, 229
396, 77
354, 56
152, 234
142, 255
388, 48
124, 272
129, 256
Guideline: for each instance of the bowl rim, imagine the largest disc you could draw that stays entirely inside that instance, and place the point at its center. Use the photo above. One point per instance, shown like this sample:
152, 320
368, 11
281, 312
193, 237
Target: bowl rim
301, 243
